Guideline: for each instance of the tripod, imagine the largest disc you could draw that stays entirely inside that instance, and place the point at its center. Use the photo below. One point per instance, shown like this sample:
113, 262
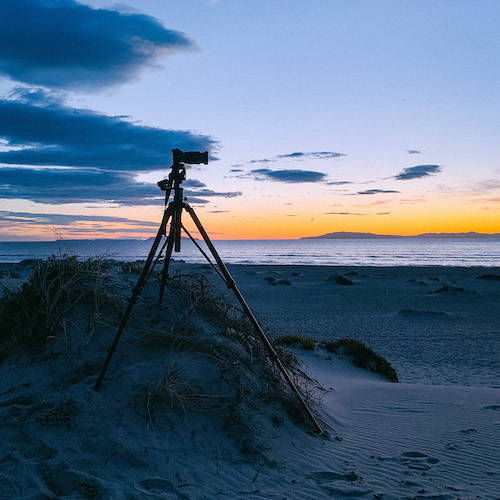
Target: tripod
173, 214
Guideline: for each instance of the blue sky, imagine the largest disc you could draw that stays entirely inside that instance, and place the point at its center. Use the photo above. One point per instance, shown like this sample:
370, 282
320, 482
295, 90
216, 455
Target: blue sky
258, 81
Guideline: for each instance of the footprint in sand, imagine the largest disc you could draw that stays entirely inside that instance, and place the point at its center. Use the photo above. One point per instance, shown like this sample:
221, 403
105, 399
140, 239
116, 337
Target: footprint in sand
160, 486
492, 407
344, 484
328, 476
418, 461
468, 431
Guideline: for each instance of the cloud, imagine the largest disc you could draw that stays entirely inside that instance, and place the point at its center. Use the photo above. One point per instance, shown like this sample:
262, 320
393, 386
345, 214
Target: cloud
297, 156
342, 213
45, 133
193, 183
318, 155
64, 219
288, 175
383, 213
338, 183
65, 44
377, 191
209, 192
417, 172
413, 151
61, 185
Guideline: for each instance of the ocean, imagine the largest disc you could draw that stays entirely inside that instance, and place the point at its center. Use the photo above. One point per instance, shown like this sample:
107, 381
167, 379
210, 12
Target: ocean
345, 252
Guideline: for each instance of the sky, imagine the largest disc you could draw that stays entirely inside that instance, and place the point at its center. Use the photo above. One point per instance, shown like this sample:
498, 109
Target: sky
321, 116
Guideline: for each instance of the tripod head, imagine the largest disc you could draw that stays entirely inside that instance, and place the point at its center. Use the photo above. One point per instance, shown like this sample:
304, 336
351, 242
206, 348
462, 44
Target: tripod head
178, 172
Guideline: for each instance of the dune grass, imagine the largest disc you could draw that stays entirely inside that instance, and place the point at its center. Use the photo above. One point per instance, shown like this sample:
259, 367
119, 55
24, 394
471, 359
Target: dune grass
36, 313
306, 343
362, 355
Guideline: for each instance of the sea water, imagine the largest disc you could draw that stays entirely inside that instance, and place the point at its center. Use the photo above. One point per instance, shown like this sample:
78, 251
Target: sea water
345, 252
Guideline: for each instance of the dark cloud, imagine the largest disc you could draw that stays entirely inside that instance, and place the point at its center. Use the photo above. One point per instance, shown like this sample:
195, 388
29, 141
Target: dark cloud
377, 191
288, 175
193, 183
62, 185
338, 183
218, 211
64, 219
342, 213
51, 134
413, 151
417, 172
234, 170
64, 44
383, 213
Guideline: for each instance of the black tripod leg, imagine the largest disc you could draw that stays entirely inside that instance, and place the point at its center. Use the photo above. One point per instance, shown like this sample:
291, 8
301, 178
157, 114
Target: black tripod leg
133, 298
166, 263
272, 353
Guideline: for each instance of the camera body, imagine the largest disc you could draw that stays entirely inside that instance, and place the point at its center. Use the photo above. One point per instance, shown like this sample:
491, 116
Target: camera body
190, 157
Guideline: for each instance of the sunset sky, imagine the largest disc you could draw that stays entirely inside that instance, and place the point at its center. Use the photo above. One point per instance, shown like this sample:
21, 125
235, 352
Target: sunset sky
321, 116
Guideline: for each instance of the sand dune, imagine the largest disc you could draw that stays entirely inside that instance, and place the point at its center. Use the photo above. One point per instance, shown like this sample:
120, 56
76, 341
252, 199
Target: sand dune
61, 439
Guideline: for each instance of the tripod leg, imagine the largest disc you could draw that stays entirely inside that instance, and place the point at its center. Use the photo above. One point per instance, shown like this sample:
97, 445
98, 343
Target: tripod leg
272, 353
133, 298
168, 256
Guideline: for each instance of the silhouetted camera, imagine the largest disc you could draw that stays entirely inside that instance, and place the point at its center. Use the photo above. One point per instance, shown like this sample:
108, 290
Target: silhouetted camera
190, 157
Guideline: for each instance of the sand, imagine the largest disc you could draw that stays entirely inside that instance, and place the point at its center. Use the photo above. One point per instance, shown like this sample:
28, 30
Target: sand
435, 435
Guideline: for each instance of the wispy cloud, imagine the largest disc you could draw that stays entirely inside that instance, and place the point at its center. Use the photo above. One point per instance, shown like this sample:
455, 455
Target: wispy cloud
377, 191
65, 219
417, 172
413, 151
296, 156
342, 213
65, 44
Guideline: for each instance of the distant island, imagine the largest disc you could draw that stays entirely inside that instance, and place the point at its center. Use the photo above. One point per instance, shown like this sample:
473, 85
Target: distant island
344, 235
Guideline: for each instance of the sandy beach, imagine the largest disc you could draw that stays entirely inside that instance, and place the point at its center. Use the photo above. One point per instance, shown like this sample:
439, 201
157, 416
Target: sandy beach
437, 325
434, 435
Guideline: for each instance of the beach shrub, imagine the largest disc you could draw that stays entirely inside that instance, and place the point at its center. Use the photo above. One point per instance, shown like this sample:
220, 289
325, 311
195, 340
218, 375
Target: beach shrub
489, 277
341, 280
292, 340
447, 288
362, 356
36, 313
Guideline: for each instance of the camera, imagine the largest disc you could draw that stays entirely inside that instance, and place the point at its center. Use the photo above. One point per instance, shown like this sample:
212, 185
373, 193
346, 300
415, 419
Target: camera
190, 157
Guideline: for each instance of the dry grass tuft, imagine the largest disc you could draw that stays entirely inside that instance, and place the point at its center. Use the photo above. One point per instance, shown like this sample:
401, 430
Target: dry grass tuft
362, 356
306, 343
38, 312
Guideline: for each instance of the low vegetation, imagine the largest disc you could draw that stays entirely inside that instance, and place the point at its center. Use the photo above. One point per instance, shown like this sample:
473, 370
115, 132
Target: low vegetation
37, 312
362, 355
306, 343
